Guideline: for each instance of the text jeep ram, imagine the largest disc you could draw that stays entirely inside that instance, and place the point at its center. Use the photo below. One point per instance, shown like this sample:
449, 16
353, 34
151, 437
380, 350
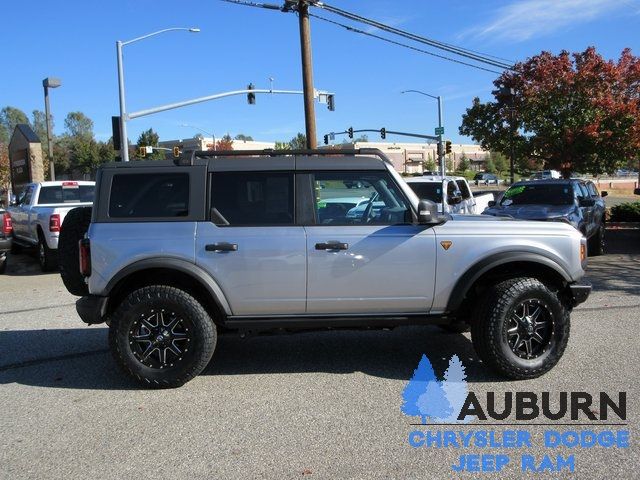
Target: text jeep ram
245, 241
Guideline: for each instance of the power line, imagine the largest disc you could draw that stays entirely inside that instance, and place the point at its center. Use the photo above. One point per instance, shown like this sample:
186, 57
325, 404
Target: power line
246, 3
373, 35
482, 58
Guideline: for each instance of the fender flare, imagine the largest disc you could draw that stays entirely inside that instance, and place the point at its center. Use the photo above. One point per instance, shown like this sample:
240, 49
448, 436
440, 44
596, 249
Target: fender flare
183, 266
473, 273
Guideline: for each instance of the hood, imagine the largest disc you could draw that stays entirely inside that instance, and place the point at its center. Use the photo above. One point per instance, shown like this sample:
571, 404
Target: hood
531, 212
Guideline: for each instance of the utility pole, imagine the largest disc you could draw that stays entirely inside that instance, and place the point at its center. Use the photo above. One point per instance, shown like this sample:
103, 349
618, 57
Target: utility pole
443, 170
307, 74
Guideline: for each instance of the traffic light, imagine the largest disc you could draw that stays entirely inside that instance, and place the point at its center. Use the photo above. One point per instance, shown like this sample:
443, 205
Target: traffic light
331, 103
251, 97
176, 152
350, 132
447, 149
326, 139
115, 132
383, 133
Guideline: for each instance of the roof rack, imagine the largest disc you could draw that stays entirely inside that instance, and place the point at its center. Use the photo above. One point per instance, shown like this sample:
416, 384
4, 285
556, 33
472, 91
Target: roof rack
188, 157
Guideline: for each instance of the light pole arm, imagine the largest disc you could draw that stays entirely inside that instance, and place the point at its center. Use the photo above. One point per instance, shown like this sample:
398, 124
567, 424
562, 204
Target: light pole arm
421, 93
193, 101
158, 33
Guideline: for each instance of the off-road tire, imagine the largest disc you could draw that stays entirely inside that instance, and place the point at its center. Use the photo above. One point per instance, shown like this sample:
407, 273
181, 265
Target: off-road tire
488, 329
596, 244
136, 304
75, 225
16, 248
47, 258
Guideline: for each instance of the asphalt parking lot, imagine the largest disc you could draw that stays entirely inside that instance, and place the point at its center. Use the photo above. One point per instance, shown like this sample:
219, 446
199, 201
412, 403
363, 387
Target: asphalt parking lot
316, 405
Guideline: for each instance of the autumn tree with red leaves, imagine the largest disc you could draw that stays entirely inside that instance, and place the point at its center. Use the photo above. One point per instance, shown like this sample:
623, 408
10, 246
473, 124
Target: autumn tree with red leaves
225, 143
573, 112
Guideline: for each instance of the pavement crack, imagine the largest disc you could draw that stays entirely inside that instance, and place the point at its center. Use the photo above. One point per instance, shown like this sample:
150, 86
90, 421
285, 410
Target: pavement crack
38, 361
37, 308
607, 307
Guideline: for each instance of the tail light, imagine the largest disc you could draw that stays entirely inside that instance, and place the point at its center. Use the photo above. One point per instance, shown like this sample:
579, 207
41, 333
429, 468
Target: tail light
84, 249
54, 223
7, 226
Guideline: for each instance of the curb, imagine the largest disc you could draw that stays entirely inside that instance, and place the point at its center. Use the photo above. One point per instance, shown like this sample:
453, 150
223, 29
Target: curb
623, 225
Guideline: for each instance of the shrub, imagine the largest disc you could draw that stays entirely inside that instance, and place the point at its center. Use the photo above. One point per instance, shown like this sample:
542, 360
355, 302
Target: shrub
626, 212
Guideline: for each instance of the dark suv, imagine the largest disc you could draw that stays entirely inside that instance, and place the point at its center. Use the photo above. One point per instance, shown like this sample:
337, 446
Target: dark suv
575, 202
486, 178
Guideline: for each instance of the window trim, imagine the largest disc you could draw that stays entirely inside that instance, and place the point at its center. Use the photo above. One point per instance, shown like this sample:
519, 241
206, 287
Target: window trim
294, 196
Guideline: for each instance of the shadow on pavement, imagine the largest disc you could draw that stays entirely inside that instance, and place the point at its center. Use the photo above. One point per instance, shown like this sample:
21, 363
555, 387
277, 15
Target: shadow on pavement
24, 264
619, 269
85, 363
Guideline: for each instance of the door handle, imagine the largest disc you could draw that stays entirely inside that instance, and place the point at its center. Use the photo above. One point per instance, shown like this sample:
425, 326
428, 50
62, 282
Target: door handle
221, 247
332, 246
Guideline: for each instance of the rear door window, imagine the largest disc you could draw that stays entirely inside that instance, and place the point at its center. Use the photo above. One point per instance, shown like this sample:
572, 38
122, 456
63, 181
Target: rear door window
252, 198
164, 195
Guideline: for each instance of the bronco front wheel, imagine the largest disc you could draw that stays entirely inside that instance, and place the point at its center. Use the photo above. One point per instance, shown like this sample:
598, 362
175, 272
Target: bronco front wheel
162, 336
521, 329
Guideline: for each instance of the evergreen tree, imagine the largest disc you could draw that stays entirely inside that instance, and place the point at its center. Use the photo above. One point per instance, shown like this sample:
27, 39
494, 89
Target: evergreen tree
433, 403
417, 386
455, 388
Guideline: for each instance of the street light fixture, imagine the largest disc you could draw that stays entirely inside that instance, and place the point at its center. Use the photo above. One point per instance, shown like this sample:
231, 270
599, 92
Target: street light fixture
440, 127
47, 83
203, 131
124, 150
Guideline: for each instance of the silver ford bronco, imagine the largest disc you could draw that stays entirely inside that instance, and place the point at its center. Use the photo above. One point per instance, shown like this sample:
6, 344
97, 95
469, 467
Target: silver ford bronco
174, 253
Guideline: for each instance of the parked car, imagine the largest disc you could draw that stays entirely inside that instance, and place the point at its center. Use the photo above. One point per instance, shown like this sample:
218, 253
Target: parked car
575, 202
458, 199
486, 179
546, 175
5, 238
172, 254
38, 213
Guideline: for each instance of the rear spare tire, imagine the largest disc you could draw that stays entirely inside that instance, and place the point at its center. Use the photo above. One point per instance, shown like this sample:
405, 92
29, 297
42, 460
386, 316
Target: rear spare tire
75, 225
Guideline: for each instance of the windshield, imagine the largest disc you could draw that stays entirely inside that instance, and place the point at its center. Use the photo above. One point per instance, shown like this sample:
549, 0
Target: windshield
63, 194
538, 194
427, 191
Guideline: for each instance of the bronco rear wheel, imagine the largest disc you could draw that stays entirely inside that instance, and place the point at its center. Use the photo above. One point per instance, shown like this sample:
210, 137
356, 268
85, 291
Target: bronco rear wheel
521, 329
162, 336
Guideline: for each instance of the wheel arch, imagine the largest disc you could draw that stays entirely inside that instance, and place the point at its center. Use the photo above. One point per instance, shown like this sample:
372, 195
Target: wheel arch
173, 272
503, 266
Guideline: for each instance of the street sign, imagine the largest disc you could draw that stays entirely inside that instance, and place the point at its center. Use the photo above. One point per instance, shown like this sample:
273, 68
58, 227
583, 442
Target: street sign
332, 136
439, 130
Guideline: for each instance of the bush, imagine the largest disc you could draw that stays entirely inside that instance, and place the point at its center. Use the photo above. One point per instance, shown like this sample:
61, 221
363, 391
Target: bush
626, 212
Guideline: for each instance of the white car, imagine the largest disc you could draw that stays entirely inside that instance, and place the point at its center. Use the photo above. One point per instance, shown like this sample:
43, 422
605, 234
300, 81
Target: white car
453, 192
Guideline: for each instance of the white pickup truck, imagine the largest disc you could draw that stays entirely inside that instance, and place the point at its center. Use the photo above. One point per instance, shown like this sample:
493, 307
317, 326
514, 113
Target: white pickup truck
453, 192
38, 213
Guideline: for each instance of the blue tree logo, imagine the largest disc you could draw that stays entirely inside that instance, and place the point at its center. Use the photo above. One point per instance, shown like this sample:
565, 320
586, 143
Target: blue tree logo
427, 397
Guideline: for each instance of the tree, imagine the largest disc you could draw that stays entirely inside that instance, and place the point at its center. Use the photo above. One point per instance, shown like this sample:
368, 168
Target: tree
362, 138
417, 386
225, 143
40, 126
299, 142
490, 166
149, 138
9, 118
464, 164
430, 165
574, 112
455, 388
282, 146
79, 126
448, 163
5, 173
433, 403
85, 155
500, 162
243, 137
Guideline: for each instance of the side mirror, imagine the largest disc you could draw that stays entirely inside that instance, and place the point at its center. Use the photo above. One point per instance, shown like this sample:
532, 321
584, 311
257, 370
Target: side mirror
427, 212
604, 193
587, 202
454, 199
492, 203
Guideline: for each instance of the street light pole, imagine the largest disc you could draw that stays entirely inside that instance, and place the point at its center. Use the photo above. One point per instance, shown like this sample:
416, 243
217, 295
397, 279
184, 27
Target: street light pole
441, 162
124, 147
203, 131
48, 83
